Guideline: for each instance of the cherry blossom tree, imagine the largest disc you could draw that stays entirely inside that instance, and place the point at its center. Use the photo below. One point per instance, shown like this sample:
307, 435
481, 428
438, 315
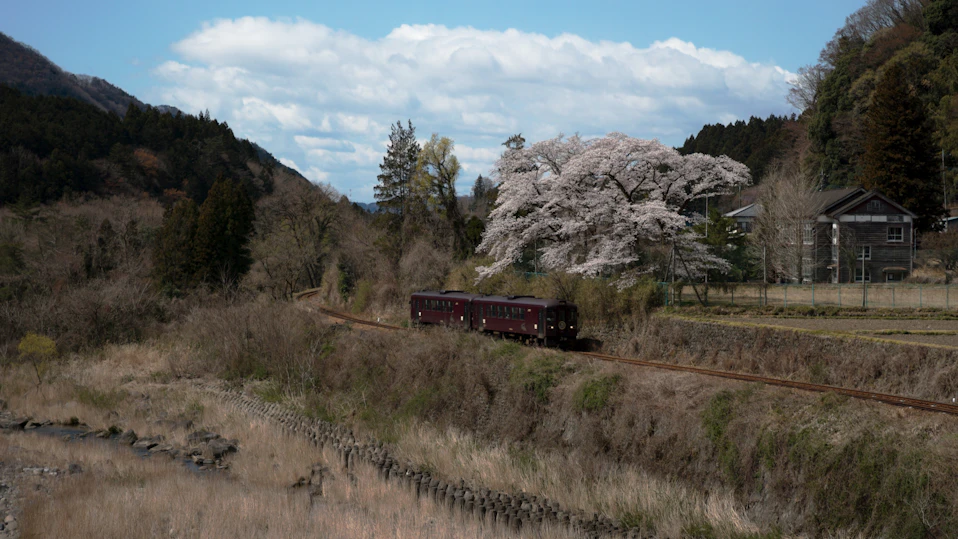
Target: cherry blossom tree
594, 206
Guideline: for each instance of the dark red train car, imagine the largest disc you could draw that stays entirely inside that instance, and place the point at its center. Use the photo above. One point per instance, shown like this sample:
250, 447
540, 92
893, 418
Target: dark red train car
547, 321
447, 307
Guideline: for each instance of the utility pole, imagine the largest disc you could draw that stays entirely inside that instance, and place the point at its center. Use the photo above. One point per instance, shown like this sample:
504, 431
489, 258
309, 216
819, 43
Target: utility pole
764, 275
861, 250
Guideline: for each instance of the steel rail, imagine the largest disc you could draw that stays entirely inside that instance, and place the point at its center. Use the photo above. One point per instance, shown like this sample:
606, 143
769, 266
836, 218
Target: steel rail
896, 400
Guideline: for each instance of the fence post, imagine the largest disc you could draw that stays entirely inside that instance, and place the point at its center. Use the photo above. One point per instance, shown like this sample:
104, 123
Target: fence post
947, 290
786, 295
893, 287
733, 296
839, 294
813, 293
919, 297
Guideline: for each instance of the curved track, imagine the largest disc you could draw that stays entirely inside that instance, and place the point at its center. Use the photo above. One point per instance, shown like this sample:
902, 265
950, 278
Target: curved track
895, 400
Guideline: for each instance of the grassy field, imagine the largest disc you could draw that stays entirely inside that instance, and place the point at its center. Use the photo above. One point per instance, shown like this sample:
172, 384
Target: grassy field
888, 296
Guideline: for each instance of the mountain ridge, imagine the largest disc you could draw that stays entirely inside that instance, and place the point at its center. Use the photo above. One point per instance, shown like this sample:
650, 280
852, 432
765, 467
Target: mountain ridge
29, 71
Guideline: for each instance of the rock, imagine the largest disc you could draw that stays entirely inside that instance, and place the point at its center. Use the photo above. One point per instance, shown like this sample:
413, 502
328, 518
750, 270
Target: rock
128, 437
75, 468
201, 437
221, 446
9, 519
12, 526
160, 448
31, 425
13, 423
145, 443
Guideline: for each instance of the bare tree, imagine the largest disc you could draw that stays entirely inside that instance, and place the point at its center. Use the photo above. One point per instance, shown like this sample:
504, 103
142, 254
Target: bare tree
804, 91
785, 220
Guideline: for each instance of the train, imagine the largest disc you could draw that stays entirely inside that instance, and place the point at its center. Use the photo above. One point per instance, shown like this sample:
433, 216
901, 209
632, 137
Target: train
550, 322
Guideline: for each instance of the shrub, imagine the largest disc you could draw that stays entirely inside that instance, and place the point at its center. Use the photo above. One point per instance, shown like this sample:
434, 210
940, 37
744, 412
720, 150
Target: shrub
538, 375
593, 395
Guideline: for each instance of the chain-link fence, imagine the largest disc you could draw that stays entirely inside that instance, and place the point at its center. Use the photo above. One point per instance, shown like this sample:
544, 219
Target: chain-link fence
892, 296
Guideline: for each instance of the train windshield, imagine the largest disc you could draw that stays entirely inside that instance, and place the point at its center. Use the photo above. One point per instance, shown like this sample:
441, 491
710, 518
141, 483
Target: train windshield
551, 317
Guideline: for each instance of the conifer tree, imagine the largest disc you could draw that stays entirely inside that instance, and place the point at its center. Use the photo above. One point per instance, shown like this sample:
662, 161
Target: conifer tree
899, 159
397, 171
173, 258
221, 248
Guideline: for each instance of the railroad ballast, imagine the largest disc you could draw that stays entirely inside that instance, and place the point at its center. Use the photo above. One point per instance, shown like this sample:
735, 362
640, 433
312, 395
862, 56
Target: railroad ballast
547, 321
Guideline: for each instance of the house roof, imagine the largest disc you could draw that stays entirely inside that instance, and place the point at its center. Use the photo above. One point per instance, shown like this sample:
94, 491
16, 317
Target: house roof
832, 202
848, 204
745, 211
826, 200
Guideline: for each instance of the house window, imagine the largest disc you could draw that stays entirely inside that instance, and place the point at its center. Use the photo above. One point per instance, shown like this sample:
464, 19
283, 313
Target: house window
745, 226
807, 269
865, 252
892, 277
808, 234
895, 233
875, 206
858, 275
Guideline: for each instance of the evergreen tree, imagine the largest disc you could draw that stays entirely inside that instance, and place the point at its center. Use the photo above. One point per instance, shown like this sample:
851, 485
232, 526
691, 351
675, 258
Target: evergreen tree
221, 252
899, 158
173, 257
397, 171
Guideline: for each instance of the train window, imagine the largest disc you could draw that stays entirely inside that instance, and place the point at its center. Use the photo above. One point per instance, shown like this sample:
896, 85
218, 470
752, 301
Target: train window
551, 317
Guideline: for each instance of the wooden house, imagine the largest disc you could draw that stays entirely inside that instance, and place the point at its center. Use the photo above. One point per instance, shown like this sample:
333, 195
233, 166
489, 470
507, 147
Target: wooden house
856, 235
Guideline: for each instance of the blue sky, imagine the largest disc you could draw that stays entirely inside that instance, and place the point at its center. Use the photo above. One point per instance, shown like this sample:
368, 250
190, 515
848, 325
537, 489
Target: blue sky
319, 83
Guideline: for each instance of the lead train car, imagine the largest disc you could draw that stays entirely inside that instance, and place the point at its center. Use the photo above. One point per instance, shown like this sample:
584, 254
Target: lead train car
548, 321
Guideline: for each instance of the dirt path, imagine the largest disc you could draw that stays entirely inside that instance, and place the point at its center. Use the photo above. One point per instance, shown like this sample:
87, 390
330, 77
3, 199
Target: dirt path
935, 332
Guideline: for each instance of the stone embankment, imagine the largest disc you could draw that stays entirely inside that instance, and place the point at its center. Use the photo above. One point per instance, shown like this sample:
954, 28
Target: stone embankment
206, 450
515, 511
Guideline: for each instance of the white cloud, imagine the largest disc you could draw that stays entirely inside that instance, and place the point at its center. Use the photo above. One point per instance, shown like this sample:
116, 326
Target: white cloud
289, 163
326, 97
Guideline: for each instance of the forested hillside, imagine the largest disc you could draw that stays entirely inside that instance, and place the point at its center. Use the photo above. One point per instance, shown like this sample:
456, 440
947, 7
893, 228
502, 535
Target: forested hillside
52, 146
756, 143
879, 109
25, 69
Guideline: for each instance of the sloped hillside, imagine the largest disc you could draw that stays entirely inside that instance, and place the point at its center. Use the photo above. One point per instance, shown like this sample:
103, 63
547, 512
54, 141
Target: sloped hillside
54, 146
25, 69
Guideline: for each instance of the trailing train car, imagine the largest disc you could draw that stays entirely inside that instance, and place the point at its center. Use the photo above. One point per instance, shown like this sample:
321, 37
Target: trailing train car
447, 307
547, 321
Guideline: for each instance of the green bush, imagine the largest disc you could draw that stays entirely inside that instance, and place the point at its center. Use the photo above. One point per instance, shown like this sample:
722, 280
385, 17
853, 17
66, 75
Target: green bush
538, 375
361, 299
593, 395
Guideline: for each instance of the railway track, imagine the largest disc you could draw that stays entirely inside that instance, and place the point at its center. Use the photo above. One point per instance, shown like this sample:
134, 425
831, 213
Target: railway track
896, 400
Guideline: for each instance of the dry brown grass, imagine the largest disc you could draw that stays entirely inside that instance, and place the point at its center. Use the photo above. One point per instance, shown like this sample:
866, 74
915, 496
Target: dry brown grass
620, 490
122, 495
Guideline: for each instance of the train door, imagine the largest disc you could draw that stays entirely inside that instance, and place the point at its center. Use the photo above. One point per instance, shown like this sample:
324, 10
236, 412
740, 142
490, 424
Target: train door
416, 310
467, 315
542, 323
